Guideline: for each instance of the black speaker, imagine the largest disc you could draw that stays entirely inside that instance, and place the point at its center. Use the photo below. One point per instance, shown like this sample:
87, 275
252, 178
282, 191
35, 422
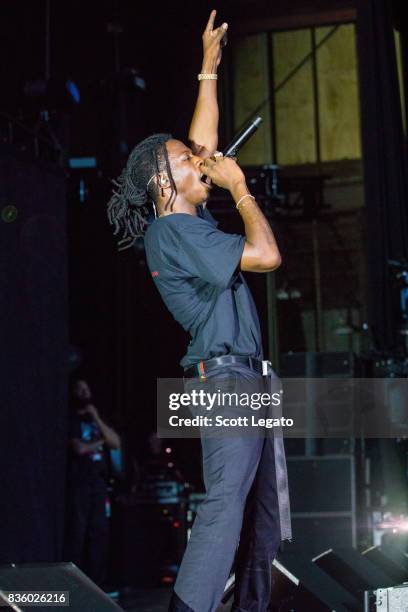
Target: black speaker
329, 364
323, 502
311, 365
312, 531
300, 586
352, 571
390, 560
33, 357
322, 484
320, 586
83, 594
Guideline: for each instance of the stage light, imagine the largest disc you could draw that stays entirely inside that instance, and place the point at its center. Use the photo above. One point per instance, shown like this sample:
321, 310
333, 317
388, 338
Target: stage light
294, 294
343, 329
288, 293
73, 91
282, 294
126, 79
135, 79
386, 524
52, 93
9, 213
167, 579
346, 329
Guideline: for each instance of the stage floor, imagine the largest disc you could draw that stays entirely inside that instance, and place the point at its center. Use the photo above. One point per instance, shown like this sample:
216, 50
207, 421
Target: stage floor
152, 600
146, 600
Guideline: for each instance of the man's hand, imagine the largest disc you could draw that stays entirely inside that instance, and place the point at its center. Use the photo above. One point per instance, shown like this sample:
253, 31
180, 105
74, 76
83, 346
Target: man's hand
224, 172
212, 40
91, 410
261, 253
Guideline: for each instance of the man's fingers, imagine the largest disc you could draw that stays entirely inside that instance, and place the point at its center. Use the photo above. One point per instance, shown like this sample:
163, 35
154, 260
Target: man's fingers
209, 162
220, 32
208, 172
210, 24
207, 166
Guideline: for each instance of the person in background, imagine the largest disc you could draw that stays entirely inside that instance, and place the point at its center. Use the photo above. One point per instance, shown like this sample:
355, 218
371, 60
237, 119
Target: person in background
87, 524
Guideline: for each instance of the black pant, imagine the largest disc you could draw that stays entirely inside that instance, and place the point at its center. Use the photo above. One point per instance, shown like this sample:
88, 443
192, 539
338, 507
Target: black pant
260, 538
241, 507
87, 527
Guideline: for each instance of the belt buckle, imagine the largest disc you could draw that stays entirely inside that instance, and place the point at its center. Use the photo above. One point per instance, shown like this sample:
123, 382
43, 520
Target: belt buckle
266, 364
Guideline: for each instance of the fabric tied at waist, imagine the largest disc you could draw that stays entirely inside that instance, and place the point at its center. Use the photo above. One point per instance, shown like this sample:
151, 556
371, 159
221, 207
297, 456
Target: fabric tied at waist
281, 472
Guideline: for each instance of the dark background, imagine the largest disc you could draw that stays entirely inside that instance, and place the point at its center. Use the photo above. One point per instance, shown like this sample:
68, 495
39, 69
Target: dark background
115, 317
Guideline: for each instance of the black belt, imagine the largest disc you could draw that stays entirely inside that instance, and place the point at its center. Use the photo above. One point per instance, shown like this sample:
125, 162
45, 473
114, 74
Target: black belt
202, 368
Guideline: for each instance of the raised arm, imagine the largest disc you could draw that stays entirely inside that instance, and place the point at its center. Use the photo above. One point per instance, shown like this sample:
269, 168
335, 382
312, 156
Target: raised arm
203, 133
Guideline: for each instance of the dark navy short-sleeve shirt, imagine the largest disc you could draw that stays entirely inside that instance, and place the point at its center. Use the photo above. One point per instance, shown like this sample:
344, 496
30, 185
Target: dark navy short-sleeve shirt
195, 267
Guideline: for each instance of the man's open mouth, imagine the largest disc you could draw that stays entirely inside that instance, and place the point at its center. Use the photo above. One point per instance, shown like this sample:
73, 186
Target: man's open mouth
206, 180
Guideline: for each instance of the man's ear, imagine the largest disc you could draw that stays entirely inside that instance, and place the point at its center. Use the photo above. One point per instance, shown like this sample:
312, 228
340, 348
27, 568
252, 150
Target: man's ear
164, 180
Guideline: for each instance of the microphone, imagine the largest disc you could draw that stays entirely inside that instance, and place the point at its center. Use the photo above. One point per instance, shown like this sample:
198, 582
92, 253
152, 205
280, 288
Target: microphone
240, 139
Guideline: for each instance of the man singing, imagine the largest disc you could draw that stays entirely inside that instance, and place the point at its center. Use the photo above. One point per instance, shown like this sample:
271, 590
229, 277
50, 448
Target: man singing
197, 270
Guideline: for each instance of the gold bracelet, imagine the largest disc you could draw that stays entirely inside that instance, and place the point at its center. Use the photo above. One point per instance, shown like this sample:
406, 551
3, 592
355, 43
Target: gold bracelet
247, 195
206, 76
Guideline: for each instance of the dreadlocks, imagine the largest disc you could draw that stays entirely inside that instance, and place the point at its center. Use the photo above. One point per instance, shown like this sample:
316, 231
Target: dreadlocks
128, 207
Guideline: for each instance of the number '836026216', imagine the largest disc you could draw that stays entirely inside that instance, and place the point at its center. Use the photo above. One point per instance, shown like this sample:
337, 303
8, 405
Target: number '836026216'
36, 598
